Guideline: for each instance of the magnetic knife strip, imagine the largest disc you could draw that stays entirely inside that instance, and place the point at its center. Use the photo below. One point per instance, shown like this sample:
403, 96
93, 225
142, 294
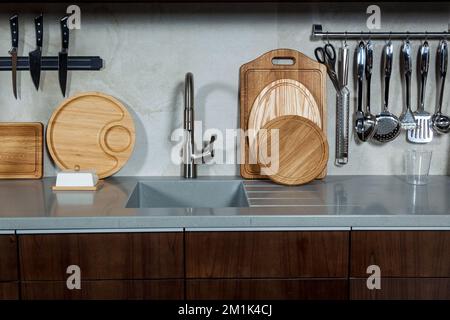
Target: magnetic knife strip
80, 63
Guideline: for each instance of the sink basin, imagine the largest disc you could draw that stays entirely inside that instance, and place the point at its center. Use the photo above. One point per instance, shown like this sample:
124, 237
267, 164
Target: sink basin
188, 194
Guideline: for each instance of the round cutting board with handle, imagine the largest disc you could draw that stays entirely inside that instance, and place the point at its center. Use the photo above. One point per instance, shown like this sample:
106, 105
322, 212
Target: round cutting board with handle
280, 98
302, 150
91, 131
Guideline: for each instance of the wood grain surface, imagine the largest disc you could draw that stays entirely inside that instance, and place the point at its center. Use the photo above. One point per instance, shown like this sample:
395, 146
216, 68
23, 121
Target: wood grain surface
267, 289
8, 258
91, 131
268, 254
21, 149
402, 289
302, 152
258, 74
105, 290
401, 253
102, 256
9, 290
280, 98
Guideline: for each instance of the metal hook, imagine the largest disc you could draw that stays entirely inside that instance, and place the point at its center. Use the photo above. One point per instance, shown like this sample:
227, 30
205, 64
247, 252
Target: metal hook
361, 36
407, 36
328, 38
345, 38
370, 36
390, 37
426, 36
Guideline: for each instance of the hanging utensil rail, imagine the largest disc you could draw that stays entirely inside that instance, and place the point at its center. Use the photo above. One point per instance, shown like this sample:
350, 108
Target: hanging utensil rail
318, 32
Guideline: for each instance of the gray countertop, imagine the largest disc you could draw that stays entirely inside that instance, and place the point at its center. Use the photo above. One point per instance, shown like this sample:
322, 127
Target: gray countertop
336, 201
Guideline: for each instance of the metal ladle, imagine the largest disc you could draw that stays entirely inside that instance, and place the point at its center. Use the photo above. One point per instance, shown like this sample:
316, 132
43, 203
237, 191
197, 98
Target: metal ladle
363, 129
440, 122
370, 121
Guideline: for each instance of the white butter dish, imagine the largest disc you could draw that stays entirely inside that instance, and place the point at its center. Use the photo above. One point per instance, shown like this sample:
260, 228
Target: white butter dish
76, 180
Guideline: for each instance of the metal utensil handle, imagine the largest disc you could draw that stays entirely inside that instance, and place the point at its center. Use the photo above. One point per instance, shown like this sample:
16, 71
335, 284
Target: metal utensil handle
14, 25
342, 125
39, 28
369, 66
343, 65
424, 61
442, 58
407, 66
361, 66
387, 67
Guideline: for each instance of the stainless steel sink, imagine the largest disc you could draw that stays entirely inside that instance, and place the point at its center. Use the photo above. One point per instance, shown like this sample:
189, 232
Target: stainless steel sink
188, 194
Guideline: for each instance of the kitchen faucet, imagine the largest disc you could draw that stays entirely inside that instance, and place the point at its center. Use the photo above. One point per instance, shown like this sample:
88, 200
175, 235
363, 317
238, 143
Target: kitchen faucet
190, 158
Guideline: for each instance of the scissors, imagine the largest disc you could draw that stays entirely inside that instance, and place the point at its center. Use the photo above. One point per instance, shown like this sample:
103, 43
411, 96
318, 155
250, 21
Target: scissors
326, 55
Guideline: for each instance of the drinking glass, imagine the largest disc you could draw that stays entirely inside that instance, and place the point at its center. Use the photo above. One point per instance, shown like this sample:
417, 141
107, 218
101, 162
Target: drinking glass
417, 166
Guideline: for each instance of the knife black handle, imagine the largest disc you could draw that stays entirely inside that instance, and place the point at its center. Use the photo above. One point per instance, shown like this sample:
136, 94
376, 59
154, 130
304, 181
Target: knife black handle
14, 24
65, 33
39, 27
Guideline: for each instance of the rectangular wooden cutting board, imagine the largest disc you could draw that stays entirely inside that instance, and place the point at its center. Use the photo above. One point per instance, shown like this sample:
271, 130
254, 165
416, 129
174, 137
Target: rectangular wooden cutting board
256, 75
21, 149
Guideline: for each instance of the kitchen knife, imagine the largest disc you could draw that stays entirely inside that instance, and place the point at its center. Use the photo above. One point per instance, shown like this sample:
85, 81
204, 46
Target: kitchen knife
14, 25
35, 55
63, 55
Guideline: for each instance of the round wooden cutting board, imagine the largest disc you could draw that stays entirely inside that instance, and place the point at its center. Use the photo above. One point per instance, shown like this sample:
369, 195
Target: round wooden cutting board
303, 150
280, 98
91, 131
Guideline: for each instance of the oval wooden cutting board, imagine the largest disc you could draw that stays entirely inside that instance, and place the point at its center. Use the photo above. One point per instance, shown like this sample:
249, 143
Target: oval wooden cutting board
280, 98
302, 150
91, 131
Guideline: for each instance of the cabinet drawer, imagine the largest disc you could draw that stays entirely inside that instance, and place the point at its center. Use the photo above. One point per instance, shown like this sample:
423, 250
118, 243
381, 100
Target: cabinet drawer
401, 253
105, 290
402, 289
9, 290
102, 255
278, 254
267, 289
8, 258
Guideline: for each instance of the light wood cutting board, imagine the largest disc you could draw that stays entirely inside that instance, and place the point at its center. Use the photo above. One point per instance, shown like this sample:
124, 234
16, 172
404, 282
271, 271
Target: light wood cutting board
280, 98
295, 150
258, 75
21, 150
91, 131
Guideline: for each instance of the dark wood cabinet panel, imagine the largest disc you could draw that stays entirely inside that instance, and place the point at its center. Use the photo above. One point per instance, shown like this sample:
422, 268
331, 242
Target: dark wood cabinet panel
9, 290
267, 289
278, 254
105, 290
8, 258
102, 256
401, 253
402, 289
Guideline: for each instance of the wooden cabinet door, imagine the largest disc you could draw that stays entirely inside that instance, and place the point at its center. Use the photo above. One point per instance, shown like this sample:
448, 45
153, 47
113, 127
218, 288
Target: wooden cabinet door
267, 289
102, 256
401, 253
402, 289
413, 264
9, 290
8, 258
267, 254
105, 290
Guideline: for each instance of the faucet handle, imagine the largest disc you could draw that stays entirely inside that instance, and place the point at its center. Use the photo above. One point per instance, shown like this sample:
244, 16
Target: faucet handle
208, 150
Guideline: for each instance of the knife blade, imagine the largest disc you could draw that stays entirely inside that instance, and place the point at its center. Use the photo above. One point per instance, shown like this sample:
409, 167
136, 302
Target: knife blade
63, 55
35, 56
14, 26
